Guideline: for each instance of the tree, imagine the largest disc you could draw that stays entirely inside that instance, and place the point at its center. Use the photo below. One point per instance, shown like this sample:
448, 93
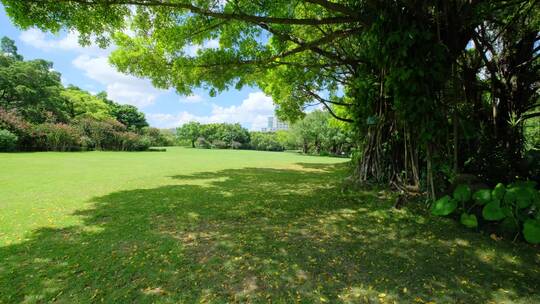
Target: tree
81, 103
318, 131
129, 115
32, 88
189, 131
8, 47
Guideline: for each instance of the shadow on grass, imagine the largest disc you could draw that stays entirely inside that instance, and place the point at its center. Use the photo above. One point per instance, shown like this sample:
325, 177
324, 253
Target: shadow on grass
261, 235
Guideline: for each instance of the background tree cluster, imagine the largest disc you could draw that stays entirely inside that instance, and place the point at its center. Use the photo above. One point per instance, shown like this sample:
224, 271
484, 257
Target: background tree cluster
38, 113
317, 133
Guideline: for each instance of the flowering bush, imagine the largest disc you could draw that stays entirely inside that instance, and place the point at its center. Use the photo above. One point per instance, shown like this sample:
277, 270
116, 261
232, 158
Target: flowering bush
11, 121
58, 137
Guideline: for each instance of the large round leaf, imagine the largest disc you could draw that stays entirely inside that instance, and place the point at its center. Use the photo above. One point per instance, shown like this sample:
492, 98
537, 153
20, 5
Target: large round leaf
444, 206
510, 196
493, 212
469, 220
462, 193
482, 196
525, 196
498, 192
531, 231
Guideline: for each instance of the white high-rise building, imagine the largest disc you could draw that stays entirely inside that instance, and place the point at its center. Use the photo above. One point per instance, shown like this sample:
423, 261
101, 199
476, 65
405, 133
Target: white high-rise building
274, 124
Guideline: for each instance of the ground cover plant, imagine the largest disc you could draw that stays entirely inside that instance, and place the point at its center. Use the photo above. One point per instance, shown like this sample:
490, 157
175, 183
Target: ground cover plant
216, 226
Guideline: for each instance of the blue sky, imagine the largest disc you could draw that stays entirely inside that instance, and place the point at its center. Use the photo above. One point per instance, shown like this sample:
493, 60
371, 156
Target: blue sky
88, 68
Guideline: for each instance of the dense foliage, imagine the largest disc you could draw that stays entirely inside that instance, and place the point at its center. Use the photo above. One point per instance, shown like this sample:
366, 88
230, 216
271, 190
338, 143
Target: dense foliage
215, 135
316, 133
319, 133
38, 113
513, 207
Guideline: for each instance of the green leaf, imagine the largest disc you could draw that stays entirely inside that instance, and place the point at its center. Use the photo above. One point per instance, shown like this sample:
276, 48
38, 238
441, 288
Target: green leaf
507, 210
462, 193
531, 231
444, 206
510, 196
493, 212
525, 196
469, 220
509, 224
498, 192
482, 196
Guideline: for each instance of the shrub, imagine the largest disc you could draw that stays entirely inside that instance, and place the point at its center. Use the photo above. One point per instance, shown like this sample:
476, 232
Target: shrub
265, 142
236, 145
58, 137
202, 143
219, 144
104, 134
11, 121
513, 207
86, 143
130, 141
8, 141
143, 143
158, 137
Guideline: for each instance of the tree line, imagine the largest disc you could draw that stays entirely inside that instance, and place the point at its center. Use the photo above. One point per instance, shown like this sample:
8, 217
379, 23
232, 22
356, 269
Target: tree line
37, 113
314, 134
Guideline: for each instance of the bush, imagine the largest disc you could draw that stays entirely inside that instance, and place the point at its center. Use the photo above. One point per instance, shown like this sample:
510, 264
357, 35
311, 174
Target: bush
159, 138
265, 142
219, 144
143, 143
130, 141
58, 137
106, 134
202, 143
8, 141
513, 208
236, 145
86, 143
11, 121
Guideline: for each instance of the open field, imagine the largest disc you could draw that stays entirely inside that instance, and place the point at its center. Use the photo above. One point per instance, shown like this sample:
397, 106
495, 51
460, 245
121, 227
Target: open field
217, 226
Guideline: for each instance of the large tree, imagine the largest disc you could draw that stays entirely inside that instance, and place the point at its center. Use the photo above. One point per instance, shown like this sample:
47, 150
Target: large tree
189, 131
31, 88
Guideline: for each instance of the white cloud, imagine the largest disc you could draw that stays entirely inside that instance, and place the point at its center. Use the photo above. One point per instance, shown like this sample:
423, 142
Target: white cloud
192, 99
120, 87
253, 113
70, 42
209, 44
93, 61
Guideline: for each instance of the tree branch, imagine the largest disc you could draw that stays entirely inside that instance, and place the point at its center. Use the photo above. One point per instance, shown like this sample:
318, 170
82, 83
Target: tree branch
205, 12
315, 48
325, 104
332, 6
273, 59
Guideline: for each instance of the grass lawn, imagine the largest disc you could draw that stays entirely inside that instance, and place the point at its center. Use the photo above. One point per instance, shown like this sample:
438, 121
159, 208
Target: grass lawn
218, 226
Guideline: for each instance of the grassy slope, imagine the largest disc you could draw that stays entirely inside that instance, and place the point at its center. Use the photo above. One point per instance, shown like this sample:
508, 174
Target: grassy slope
219, 226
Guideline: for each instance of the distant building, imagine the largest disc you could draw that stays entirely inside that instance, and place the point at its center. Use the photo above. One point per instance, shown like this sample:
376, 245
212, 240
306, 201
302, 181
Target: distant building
274, 124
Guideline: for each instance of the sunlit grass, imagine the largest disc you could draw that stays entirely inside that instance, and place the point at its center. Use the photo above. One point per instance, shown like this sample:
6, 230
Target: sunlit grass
190, 226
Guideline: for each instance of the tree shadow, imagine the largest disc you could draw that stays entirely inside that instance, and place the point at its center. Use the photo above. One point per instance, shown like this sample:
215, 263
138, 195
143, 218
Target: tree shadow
259, 235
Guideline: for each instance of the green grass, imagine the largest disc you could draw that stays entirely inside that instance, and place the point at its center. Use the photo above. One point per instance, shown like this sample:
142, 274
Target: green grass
214, 226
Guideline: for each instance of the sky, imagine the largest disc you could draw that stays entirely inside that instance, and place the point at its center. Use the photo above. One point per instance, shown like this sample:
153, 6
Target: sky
89, 69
